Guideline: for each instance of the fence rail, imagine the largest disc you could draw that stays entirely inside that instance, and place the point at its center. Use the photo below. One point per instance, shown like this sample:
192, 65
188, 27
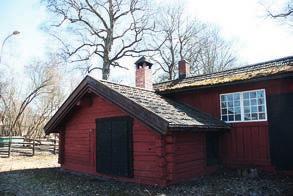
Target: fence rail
29, 147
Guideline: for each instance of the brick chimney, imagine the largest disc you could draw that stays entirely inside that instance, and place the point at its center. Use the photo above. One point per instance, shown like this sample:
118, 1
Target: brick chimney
184, 69
143, 75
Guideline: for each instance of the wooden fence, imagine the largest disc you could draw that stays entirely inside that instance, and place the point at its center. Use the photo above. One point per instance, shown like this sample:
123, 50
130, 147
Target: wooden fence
29, 147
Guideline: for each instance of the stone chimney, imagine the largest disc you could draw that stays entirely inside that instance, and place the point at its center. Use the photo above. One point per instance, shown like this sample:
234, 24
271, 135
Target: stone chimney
143, 74
184, 69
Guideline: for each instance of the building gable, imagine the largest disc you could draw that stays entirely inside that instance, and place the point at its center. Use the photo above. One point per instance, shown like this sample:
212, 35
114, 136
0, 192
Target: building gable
159, 113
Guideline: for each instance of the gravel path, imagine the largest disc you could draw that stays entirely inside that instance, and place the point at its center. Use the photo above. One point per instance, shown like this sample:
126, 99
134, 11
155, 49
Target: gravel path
52, 181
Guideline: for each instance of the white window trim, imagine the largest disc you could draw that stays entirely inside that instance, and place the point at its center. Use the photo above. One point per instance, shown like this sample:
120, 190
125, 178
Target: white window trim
242, 106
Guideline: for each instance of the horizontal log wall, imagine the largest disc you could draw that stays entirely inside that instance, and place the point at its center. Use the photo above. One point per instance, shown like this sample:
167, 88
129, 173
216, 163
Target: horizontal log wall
185, 156
80, 143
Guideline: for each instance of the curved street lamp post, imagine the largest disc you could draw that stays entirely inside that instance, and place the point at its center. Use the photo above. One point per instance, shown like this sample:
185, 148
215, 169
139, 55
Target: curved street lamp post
3, 43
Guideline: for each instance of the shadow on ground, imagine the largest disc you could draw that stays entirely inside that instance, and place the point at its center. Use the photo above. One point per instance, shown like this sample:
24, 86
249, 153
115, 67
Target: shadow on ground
54, 181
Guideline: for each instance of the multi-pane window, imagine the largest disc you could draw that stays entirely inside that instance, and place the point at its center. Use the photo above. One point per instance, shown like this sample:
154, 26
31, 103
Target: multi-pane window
243, 106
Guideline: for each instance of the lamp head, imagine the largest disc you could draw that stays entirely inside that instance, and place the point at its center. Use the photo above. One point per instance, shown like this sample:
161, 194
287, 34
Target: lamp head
15, 32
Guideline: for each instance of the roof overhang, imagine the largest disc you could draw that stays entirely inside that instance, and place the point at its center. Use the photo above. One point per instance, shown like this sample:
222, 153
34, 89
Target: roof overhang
91, 85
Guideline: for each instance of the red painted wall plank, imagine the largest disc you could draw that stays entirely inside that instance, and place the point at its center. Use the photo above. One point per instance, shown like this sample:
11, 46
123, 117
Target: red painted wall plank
80, 143
247, 143
185, 157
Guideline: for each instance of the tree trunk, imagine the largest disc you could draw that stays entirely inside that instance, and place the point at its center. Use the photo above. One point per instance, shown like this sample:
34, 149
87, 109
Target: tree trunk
170, 74
106, 70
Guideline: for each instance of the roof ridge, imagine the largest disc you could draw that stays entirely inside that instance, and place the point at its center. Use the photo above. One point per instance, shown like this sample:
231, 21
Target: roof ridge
260, 65
106, 81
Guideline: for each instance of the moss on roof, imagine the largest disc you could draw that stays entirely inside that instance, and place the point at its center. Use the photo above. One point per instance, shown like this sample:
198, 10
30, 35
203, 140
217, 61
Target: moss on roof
229, 76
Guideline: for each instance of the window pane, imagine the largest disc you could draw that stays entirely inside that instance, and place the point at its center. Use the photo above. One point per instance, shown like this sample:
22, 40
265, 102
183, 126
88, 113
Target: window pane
224, 118
246, 95
237, 110
223, 97
261, 108
254, 116
230, 104
260, 94
246, 110
260, 101
253, 109
238, 117
246, 103
261, 116
252, 94
231, 117
247, 117
253, 101
224, 111
237, 96
224, 104
230, 111
236, 103
230, 97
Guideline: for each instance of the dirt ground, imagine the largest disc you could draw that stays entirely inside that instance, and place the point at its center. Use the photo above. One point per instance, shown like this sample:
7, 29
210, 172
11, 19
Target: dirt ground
27, 162
41, 175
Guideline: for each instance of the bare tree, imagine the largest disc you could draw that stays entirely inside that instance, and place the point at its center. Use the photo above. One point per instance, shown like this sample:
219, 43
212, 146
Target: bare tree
46, 104
44, 108
183, 37
8, 105
215, 54
176, 37
285, 13
107, 30
38, 86
15, 108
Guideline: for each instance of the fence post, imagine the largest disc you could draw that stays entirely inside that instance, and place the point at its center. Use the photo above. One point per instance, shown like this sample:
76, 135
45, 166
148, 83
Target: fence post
33, 147
9, 148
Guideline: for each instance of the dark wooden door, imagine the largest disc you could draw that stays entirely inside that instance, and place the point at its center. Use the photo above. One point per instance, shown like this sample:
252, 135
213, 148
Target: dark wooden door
280, 116
212, 148
114, 146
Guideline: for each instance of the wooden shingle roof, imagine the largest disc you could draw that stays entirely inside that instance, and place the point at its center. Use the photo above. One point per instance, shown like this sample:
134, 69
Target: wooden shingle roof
176, 114
251, 72
154, 110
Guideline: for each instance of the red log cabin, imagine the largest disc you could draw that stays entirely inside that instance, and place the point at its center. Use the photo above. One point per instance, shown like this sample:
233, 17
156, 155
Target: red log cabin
177, 130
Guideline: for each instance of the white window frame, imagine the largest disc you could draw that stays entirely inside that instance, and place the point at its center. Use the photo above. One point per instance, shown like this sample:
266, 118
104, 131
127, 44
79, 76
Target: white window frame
242, 106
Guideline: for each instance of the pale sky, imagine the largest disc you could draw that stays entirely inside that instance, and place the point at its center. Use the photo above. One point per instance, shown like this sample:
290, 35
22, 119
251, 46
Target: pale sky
256, 37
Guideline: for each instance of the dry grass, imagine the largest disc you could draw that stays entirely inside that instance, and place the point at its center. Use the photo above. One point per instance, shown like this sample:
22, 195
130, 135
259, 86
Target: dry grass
28, 162
227, 78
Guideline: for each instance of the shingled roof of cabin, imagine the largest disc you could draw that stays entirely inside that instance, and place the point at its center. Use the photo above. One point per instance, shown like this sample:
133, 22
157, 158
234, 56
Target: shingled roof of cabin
251, 72
158, 112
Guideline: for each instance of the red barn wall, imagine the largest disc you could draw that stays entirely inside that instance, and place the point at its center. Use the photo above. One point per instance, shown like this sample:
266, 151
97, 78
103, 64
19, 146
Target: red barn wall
80, 143
248, 142
185, 156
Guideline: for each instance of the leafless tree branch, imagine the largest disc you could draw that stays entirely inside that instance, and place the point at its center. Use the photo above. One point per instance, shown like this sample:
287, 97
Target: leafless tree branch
108, 29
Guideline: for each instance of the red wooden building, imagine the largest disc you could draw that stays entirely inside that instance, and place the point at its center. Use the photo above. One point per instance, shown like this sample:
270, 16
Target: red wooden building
177, 130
